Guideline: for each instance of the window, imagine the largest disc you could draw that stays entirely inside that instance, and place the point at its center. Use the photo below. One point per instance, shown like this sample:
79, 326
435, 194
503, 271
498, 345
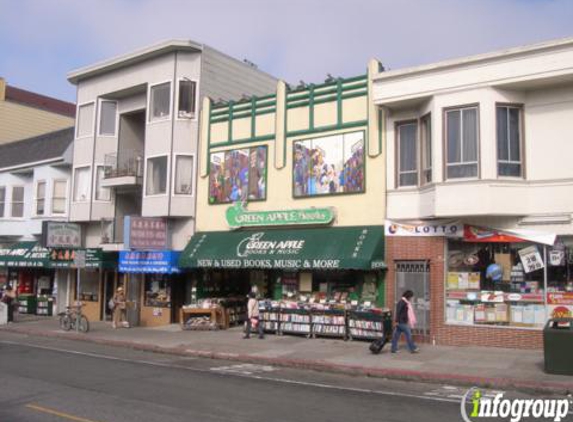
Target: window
81, 184
85, 120
407, 154
2, 200
108, 117
156, 175
329, 165
40, 197
238, 175
157, 290
462, 143
160, 96
59, 197
426, 139
101, 193
184, 175
509, 141
186, 107
18, 201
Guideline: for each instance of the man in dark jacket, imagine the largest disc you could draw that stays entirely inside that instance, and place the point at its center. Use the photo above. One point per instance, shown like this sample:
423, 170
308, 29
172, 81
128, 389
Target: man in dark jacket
405, 320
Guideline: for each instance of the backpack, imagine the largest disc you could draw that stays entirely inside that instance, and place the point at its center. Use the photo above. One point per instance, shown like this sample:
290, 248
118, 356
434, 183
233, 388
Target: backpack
111, 304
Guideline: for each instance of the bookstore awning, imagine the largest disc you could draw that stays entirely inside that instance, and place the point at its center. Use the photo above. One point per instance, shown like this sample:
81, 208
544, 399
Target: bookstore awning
27, 254
356, 248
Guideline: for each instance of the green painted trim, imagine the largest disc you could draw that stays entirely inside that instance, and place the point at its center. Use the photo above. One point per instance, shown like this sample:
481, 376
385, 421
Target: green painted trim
327, 129
263, 138
356, 78
339, 103
335, 90
242, 115
311, 108
230, 123
208, 141
253, 117
328, 99
267, 103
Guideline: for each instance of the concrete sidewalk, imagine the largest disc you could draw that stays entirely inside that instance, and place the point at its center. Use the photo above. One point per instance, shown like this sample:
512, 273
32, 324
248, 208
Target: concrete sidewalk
480, 366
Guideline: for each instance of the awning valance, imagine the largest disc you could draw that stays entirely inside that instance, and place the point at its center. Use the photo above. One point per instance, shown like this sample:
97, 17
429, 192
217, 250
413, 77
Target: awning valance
357, 248
27, 254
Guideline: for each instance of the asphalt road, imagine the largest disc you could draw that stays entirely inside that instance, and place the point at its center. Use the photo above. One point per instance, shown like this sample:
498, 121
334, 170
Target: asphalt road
54, 380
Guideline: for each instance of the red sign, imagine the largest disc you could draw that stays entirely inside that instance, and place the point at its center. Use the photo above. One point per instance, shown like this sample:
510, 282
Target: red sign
561, 298
478, 234
147, 233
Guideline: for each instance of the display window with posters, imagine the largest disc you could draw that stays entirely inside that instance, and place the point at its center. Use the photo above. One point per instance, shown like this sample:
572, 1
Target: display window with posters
329, 165
238, 175
512, 283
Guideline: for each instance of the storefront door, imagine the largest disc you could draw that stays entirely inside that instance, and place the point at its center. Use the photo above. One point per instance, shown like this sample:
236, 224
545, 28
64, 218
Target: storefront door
415, 276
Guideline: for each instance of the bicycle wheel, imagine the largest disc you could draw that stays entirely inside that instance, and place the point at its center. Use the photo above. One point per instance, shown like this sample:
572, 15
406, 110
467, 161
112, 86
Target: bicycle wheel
65, 322
84, 324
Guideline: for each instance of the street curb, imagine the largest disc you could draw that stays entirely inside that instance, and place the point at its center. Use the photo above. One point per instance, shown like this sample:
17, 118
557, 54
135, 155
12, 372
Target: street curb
320, 366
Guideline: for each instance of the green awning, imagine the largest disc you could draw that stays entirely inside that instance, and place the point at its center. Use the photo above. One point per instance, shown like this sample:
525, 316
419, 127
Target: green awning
30, 254
24, 254
356, 248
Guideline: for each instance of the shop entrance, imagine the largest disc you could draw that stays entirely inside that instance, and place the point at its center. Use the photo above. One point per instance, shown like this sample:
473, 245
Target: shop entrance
133, 285
415, 276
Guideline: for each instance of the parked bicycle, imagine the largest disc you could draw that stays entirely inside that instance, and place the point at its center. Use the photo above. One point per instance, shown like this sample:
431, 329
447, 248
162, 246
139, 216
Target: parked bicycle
73, 318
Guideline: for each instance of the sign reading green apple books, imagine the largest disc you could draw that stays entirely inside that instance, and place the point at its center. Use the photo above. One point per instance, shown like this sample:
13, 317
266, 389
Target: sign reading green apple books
238, 217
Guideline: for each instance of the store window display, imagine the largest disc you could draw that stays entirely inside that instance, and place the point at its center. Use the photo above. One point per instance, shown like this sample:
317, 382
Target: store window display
499, 284
157, 291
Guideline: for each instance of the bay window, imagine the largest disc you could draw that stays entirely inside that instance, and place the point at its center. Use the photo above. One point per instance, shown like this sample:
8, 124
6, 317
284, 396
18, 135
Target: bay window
509, 161
156, 182
461, 142
407, 154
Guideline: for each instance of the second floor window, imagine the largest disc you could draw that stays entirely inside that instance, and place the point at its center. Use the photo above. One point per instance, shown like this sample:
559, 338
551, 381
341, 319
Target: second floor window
426, 140
18, 201
85, 120
102, 193
509, 162
59, 197
108, 115
186, 107
184, 175
156, 182
407, 154
2, 200
462, 143
41, 198
81, 184
160, 98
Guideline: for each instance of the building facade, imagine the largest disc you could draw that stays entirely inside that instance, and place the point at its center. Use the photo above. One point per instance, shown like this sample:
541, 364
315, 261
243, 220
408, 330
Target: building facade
34, 189
478, 173
285, 205
25, 114
135, 163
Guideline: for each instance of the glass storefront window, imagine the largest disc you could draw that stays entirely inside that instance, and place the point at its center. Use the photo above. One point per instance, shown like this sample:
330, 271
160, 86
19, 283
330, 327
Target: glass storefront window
157, 291
495, 284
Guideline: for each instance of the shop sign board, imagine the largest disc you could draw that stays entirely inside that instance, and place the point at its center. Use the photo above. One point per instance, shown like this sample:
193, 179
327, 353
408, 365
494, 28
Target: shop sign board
163, 262
145, 233
61, 235
531, 259
237, 217
75, 258
428, 228
560, 298
80, 259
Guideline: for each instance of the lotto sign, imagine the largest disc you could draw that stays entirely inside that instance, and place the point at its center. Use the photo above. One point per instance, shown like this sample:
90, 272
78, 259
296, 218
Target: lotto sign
531, 259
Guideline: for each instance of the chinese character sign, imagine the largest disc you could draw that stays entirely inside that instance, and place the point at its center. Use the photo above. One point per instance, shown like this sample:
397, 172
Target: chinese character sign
531, 259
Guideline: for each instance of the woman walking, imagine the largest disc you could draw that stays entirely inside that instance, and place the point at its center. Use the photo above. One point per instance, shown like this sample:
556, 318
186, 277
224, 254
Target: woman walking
405, 321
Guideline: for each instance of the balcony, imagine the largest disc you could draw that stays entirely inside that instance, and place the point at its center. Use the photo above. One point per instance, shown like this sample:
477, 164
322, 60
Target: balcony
123, 170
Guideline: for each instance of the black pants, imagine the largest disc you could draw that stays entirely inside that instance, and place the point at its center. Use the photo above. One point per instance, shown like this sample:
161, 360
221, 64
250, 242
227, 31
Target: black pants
10, 312
259, 326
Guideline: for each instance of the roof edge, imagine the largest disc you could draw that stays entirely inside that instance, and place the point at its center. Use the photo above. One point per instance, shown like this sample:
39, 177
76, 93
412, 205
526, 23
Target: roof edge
133, 57
475, 59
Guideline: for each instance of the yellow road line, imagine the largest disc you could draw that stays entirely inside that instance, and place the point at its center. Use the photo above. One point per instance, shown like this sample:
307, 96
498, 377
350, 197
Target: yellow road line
56, 413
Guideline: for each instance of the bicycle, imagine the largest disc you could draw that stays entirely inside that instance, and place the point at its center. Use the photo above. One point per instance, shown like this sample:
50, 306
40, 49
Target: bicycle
73, 318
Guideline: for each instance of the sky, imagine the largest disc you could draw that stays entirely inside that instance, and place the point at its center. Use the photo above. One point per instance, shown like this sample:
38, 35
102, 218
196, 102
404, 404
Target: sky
41, 41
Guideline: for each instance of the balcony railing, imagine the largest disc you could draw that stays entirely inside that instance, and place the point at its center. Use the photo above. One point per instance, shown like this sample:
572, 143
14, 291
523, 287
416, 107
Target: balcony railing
128, 163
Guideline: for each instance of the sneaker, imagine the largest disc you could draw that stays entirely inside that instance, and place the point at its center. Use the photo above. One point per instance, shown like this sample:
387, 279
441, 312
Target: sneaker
416, 350
393, 351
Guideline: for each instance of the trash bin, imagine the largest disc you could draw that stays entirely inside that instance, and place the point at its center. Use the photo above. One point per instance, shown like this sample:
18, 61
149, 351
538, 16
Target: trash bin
558, 346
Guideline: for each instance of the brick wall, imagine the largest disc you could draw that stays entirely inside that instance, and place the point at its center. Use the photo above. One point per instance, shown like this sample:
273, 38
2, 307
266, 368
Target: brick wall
433, 249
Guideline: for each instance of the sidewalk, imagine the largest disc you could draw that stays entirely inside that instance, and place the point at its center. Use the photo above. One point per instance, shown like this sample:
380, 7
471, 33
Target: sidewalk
480, 366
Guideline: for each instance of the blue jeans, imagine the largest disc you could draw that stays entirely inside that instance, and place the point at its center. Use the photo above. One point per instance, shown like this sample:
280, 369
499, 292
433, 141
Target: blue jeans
403, 328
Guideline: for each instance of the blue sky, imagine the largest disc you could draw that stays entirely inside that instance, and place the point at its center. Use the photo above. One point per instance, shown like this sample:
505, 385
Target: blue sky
42, 40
